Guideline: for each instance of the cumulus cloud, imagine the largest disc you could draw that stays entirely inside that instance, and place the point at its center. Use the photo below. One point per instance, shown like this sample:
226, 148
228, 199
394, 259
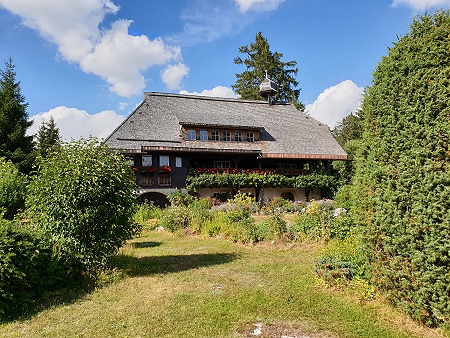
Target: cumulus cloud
74, 123
218, 91
336, 102
257, 5
422, 4
113, 54
173, 74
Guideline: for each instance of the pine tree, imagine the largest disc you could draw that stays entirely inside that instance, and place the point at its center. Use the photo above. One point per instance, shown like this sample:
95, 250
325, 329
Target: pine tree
47, 137
260, 59
15, 145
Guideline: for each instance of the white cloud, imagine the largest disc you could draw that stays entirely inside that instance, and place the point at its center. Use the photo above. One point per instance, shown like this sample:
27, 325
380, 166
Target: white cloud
422, 4
336, 102
74, 123
114, 55
122, 105
173, 74
218, 91
257, 5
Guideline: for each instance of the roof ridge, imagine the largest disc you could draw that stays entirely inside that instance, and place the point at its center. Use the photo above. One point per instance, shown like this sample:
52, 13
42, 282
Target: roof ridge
210, 98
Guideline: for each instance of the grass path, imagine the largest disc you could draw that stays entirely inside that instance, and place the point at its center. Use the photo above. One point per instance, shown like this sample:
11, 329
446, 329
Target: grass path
194, 287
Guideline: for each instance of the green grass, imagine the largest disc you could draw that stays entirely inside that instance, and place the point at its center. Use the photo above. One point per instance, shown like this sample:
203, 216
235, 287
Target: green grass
175, 286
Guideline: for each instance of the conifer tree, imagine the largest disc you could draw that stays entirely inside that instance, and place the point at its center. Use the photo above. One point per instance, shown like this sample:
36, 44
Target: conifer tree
47, 137
402, 175
260, 59
15, 145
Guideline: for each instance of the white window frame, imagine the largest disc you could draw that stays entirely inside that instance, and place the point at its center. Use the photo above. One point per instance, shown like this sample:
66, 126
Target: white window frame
238, 136
178, 162
147, 160
250, 137
222, 164
164, 160
192, 134
203, 135
227, 135
215, 135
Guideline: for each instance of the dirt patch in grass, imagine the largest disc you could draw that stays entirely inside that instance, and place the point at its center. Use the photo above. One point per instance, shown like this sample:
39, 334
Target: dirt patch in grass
281, 330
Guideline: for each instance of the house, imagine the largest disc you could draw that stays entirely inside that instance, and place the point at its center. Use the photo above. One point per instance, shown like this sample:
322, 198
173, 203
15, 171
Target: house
169, 136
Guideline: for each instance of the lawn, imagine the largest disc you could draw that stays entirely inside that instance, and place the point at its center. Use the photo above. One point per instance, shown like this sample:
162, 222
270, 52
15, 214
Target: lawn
168, 285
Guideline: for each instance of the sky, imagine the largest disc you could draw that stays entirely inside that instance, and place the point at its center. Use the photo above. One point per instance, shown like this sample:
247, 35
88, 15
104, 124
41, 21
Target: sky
87, 63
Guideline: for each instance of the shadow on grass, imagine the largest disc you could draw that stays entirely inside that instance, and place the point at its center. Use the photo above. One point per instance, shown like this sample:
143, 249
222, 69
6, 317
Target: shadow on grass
140, 245
144, 266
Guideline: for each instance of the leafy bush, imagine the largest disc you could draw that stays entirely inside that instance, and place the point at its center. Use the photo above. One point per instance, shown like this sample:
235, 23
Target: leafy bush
177, 198
146, 213
175, 217
82, 196
12, 189
403, 171
28, 268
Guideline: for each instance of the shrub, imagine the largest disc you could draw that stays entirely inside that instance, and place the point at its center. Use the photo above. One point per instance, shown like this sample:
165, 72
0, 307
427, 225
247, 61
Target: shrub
403, 171
177, 198
28, 268
146, 213
12, 189
175, 217
83, 197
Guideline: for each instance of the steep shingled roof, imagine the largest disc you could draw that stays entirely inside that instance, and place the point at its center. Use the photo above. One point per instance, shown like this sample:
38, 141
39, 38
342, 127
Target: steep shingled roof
286, 132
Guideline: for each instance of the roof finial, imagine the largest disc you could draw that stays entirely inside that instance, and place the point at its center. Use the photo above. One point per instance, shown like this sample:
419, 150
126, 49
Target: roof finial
266, 75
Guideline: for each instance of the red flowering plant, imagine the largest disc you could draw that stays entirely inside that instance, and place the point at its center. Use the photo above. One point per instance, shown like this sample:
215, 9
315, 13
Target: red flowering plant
165, 168
148, 169
204, 170
134, 168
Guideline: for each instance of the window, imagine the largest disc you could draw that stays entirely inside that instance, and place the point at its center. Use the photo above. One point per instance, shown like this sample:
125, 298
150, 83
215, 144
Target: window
215, 135
147, 160
238, 136
203, 135
191, 134
291, 166
280, 166
250, 137
221, 164
130, 160
227, 136
163, 160
178, 162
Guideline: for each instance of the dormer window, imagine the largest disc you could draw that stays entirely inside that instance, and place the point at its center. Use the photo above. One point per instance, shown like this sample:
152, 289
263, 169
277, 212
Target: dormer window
215, 135
238, 136
227, 136
191, 135
250, 137
203, 135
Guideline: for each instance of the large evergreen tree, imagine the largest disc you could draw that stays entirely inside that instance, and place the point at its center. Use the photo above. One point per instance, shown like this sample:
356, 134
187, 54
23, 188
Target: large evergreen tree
403, 171
15, 145
260, 59
47, 137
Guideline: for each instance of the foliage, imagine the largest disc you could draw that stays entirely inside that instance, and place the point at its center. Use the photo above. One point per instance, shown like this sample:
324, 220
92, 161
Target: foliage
403, 171
12, 189
177, 198
242, 180
28, 268
146, 213
83, 197
319, 220
175, 217
260, 59
15, 145
47, 137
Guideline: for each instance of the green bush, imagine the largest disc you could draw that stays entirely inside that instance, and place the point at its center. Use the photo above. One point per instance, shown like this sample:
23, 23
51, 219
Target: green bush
146, 214
177, 198
29, 268
403, 171
175, 217
83, 196
12, 189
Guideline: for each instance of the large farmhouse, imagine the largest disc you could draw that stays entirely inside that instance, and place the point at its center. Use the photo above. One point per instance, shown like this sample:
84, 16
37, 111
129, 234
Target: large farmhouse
171, 136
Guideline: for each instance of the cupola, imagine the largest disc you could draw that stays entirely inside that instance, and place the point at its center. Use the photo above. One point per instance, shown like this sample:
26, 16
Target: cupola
267, 89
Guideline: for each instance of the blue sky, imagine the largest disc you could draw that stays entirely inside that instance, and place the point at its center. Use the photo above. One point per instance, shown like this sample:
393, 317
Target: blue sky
88, 62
